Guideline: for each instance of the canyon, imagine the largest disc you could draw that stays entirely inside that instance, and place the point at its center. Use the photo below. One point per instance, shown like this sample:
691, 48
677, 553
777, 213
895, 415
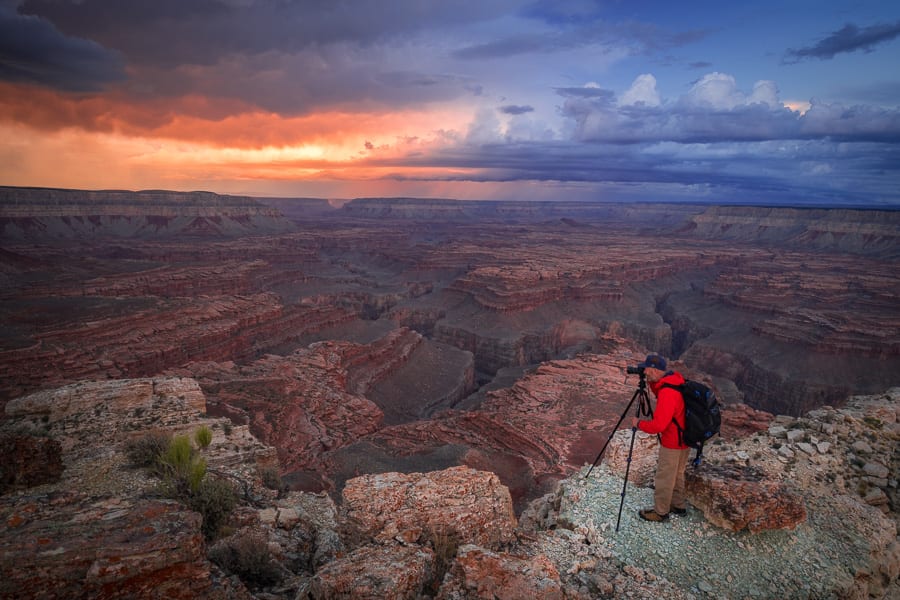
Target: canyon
417, 368
403, 333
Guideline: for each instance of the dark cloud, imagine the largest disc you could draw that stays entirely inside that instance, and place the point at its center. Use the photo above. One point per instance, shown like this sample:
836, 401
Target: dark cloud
586, 92
804, 170
515, 109
637, 37
290, 57
848, 39
173, 32
700, 65
32, 50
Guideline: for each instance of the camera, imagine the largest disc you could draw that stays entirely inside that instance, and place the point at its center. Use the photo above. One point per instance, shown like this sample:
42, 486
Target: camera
634, 370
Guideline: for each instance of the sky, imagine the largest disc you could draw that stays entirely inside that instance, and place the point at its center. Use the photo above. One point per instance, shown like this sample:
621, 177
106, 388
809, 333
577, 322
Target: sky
792, 101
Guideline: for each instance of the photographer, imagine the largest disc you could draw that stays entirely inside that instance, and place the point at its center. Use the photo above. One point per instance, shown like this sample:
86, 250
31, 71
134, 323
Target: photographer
668, 494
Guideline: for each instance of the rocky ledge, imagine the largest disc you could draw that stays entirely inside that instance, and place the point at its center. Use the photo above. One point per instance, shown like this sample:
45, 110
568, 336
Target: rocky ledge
100, 528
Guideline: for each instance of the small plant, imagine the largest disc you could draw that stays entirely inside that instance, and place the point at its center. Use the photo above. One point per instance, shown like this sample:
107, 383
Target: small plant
271, 478
145, 451
185, 478
214, 499
249, 558
873, 422
203, 436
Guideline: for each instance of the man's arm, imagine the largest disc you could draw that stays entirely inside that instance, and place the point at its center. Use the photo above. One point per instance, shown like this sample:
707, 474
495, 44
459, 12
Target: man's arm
665, 412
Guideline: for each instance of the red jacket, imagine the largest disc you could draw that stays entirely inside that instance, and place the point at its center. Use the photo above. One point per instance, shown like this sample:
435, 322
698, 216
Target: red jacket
669, 404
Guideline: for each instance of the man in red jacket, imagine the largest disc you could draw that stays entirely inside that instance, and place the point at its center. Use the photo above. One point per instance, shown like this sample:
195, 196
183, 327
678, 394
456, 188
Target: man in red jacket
668, 495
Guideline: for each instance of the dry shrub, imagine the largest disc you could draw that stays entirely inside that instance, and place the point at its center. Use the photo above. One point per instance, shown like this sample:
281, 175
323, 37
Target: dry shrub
248, 557
144, 451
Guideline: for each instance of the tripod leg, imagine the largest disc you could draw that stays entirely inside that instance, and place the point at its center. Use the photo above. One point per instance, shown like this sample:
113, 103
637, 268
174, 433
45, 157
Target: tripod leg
613, 432
625, 483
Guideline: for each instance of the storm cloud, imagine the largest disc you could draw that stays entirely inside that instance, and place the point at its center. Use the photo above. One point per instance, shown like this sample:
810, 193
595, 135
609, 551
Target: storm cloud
849, 38
33, 50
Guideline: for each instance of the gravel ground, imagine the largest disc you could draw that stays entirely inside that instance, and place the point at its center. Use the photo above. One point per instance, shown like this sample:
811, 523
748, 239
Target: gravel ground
816, 560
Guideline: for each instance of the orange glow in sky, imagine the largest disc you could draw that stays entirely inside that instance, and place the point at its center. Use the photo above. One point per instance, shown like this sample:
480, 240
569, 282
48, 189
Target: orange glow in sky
105, 150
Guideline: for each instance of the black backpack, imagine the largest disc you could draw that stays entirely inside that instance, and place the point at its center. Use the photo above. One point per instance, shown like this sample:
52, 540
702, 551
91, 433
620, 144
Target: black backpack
702, 415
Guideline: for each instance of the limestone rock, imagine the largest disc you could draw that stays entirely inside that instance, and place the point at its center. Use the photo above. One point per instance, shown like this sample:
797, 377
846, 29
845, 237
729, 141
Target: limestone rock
103, 548
481, 574
390, 572
739, 498
470, 505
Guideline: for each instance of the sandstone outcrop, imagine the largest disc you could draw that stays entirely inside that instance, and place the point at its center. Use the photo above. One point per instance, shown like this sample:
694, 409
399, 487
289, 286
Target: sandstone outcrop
740, 498
471, 506
480, 573
94, 530
105, 549
315, 401
100, 531
374, 572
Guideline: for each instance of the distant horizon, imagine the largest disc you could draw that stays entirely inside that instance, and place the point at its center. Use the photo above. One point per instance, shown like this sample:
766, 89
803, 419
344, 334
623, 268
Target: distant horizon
807, 204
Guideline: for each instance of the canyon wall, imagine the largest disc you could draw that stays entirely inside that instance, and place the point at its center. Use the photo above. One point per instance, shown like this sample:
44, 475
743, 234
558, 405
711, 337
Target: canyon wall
45, 213
497, 286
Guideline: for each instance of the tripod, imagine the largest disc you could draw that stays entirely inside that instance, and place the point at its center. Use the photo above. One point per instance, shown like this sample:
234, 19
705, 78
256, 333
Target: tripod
643, 409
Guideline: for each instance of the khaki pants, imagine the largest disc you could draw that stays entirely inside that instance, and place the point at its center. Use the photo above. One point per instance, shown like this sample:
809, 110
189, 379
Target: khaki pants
669, 482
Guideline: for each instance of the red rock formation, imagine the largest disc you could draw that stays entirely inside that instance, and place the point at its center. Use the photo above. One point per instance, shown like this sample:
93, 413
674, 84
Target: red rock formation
153, 340
740, 420
742, 498
314, 400
480, 573
104, 549
468, 505
545, 426
392, 572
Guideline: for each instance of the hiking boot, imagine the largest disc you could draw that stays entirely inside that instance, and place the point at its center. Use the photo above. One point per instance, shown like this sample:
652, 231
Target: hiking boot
649, 514
678, 511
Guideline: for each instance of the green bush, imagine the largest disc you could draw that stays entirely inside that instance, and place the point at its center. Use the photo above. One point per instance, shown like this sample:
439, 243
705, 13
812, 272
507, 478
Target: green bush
179, 467
184, 477
145, 451
203, 437
249, 558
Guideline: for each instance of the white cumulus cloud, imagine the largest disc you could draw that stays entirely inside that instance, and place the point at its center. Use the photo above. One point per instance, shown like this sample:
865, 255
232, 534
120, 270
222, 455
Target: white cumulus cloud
642, 91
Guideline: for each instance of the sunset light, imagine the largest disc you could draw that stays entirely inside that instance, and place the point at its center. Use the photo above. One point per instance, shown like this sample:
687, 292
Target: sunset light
299, 99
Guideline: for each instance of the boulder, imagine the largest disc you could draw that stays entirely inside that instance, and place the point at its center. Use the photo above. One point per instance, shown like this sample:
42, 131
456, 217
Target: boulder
736, 498
65, 546
391, 572
472, 506
478, 573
